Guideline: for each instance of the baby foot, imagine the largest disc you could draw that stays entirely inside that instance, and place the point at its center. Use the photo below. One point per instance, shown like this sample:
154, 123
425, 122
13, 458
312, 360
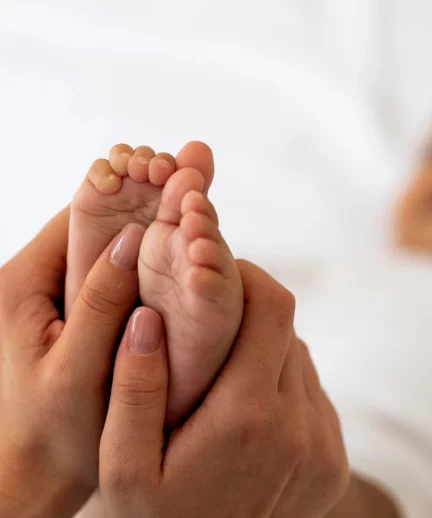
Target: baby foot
126, 188
188, 275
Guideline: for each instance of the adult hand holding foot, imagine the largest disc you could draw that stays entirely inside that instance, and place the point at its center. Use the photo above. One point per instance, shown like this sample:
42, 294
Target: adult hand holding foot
257, 446
54, 376
265, 442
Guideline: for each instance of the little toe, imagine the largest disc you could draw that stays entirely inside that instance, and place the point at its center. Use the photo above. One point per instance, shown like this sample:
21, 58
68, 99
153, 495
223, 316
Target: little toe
102, 176
199, 156
138, 166
119, 157
161, 167
175, 190
195, 225
197, 202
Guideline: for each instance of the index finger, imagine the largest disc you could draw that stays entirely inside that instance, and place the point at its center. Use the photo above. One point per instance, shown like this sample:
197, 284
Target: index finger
33, 280
40, 266
265, 334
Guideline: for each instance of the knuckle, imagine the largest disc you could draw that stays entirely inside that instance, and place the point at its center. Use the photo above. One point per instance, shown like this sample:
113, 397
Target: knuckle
254, 424
338, 478
99, 299
295, 440
290, 300
117, 477
136, 392
334, 468
332, 414
120, 470
285, 301
298, 446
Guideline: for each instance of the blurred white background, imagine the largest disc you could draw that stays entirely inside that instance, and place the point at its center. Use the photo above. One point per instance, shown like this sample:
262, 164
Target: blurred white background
312, 107
315, 110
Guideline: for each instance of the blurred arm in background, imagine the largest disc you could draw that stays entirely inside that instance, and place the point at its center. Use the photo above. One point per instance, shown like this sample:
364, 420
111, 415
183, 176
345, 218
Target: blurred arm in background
414, 210
364, 500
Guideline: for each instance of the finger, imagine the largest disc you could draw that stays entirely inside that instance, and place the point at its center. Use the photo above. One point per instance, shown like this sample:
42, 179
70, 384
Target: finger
326, 408
310, 375
134, 430
197, 155
102, 308
33, 281
258, 355
40, 265
314, 391
292, 377
297, 411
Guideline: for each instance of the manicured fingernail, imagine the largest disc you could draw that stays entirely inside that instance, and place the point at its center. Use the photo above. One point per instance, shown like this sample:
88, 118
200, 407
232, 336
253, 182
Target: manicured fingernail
145, 332
125, 251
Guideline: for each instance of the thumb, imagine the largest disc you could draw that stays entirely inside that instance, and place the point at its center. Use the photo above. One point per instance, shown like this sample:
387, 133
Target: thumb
134, 429
109, 294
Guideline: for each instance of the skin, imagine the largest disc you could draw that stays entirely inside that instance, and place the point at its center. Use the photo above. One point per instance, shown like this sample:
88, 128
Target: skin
110, 198
364, 500
186, 270
296, 462
49, 439
45, 469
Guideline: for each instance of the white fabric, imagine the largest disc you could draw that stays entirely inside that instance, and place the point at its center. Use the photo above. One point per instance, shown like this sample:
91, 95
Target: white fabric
314, 109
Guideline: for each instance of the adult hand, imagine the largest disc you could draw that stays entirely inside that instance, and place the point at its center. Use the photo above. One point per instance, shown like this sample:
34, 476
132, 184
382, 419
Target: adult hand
54, 376
265, 442
322, 475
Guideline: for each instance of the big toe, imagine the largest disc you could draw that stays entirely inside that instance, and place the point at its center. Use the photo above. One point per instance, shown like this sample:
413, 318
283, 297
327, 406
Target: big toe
178, 185
198, 155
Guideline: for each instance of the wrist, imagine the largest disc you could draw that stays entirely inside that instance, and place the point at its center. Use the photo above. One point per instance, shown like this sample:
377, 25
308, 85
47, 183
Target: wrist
30, 490
52, 501
9, 506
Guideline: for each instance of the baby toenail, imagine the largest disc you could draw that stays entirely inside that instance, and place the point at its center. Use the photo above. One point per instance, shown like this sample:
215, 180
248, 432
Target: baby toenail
125, 155
164, 164
143, 160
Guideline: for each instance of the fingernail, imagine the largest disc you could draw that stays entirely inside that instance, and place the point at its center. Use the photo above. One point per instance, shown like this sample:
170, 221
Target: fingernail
125, 251
145, 331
